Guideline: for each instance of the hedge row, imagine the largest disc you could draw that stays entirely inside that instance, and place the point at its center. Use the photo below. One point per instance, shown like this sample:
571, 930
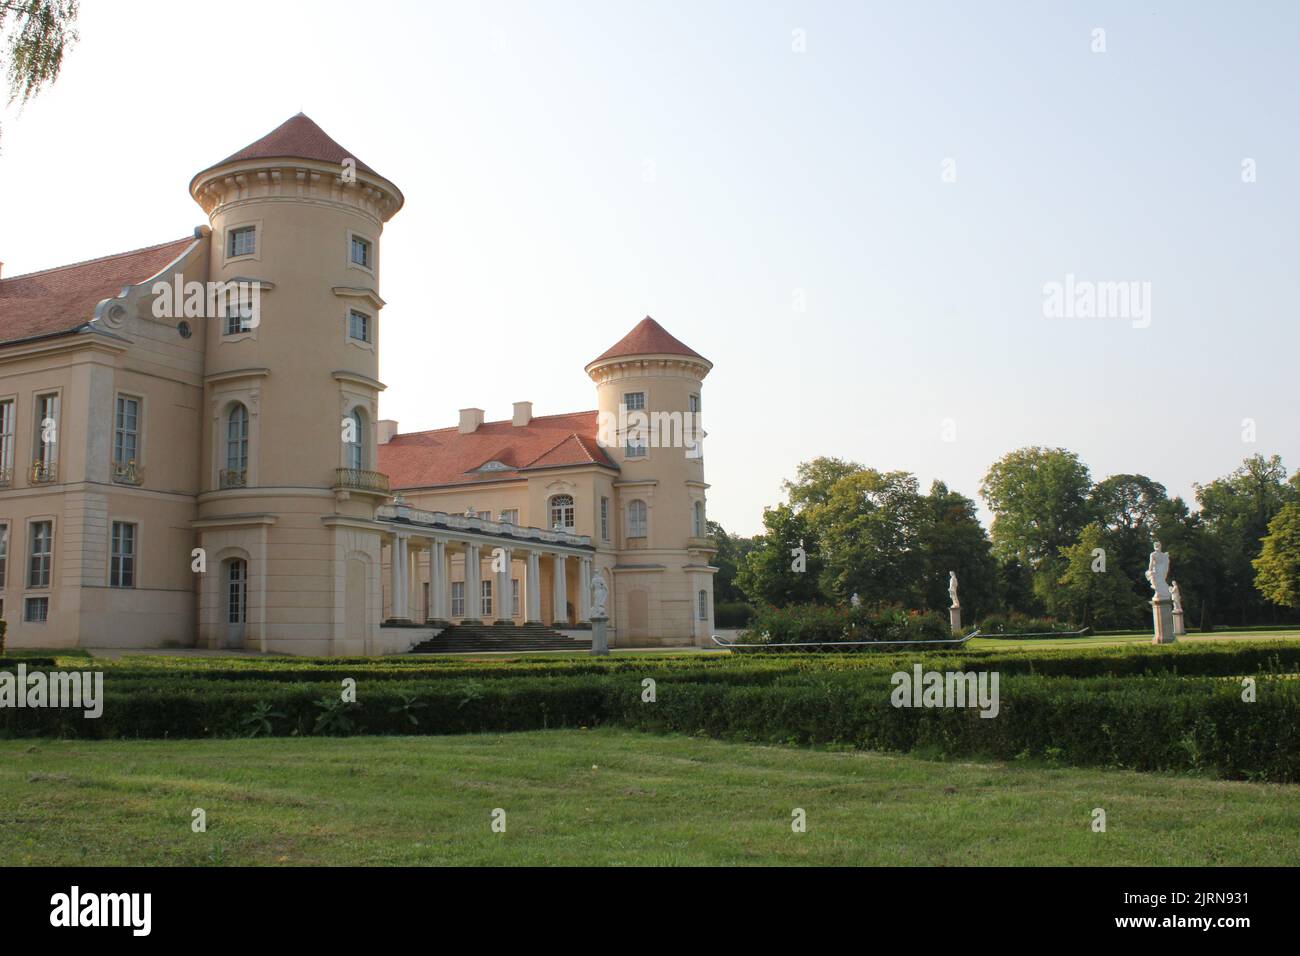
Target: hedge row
1141, 723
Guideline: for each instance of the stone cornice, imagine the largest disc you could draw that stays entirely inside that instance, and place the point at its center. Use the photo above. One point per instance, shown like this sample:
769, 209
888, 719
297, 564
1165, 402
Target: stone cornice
295, 180
356, 378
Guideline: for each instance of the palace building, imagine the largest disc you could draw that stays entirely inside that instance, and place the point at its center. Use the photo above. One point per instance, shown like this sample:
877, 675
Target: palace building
177, 473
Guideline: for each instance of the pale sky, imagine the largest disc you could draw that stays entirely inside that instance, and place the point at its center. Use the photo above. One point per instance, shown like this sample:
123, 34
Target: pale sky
571, 167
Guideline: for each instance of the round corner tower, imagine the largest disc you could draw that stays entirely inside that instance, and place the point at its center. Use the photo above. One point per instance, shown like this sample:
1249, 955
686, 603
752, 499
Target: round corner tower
291, 393
649, 406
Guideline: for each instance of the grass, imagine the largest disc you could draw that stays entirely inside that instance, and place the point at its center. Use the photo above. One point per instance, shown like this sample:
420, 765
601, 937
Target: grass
606, 797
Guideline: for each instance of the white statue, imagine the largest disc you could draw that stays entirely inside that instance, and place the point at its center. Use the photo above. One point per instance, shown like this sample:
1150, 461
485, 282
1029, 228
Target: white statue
599, 595
1177, 595
952, 588
855, 600
1158, 571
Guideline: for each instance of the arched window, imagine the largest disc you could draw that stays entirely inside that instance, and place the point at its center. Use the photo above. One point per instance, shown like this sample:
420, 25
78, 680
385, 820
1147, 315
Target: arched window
699, 519
636, 519
702, 599
236, 473
562, 514
356, 448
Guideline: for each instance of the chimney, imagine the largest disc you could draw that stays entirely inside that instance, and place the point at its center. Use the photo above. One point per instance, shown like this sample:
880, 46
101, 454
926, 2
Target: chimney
385, 430
523, 414
470, 420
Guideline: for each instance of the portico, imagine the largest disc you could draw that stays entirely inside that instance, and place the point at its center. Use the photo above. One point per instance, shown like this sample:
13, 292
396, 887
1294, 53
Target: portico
444, 568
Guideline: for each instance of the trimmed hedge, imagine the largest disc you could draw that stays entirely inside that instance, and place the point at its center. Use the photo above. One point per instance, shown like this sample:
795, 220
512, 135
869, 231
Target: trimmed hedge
1138, 720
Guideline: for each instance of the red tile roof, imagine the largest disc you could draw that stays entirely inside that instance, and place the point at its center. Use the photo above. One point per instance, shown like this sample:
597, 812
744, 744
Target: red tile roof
446, 457
648, 338
63, 299
296, 138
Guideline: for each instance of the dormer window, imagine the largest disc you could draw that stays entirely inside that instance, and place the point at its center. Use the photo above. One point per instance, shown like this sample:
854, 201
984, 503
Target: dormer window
493, 465
242, 241
361, 252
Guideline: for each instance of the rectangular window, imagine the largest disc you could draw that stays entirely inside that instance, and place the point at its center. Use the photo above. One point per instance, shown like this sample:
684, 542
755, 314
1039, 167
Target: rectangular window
636, 447
634, 401
126, 431
243, 241
42, 554
485, 590
695, 404
4, 556
6, 441
358, 326
484, 515
361, 251
238, 318
37, 610
457, 598
514, 597
510, 515
604, 519
121, 565
47, 437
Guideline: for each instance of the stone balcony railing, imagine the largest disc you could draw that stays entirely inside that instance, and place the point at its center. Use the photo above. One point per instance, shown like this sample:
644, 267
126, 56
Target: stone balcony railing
357, 479
128, 473
233, 478
44, 472
402, 512
6, 477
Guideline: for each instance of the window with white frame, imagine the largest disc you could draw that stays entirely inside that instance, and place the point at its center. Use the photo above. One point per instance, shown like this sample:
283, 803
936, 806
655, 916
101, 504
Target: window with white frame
36, 610
702, 600
121, 564
562, 512
241, 241
604, 519
457, 598
694, 405
359, 326
634, 401
485, 592
361, 252
6, 441
41, 552
238, 316
356, 448
236, 591
699, 520
47, 435
635, 445
126, 431
636, 519
510, 515
514, 597
237, 444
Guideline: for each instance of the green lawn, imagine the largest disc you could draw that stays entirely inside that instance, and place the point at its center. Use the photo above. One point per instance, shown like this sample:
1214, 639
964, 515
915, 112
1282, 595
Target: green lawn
605, 797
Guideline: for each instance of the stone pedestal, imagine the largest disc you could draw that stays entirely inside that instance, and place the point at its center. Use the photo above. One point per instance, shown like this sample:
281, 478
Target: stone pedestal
1179, 630
1162, 612
599, 640
954, 618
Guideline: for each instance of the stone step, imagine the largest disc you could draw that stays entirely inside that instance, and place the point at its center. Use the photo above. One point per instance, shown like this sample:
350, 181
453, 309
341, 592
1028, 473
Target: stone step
471, 638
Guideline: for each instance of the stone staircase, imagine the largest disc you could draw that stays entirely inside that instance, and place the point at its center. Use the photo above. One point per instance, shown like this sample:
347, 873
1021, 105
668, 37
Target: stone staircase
477, 638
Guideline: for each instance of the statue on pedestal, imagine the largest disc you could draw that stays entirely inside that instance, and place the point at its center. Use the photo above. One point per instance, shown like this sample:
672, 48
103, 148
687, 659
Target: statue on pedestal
855, 600
599, 595
952, 588
1157, 572
1177, 596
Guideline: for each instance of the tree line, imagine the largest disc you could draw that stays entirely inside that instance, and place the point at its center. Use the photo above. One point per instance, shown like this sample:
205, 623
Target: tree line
1061, 544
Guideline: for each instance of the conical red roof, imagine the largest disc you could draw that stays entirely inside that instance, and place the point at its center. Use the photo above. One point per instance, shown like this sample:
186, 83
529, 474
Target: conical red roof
296, 138
648, 338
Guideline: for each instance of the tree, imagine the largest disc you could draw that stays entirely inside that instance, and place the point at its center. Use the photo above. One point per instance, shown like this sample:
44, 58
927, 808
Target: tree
952, 539
1039, 500
869, 535
728, 559
1193, 562
37, 34
1277, 569
1128, 509
1235, 512
815, 479
1089, 591
772, 572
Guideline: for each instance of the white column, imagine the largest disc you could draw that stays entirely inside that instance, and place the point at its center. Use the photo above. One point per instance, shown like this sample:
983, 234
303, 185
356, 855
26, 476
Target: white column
397, 556
502, 596
473, 595
438, 580
560, 598
533, 590
584, 590
413, 581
